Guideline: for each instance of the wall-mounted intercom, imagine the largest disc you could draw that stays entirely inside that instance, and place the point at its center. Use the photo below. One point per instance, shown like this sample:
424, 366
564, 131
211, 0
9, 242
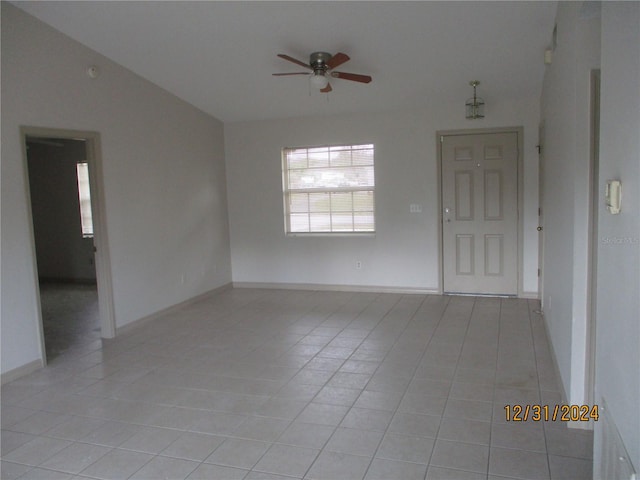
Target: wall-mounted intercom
613, 196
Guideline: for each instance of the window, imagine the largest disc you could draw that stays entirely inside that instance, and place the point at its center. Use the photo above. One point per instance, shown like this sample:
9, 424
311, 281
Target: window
329, 189
84, 195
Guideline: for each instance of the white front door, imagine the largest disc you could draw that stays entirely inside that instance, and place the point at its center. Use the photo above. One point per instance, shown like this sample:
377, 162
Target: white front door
480, 213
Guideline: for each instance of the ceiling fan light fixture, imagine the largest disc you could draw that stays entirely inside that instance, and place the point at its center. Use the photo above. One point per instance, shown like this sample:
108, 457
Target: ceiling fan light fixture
319, 80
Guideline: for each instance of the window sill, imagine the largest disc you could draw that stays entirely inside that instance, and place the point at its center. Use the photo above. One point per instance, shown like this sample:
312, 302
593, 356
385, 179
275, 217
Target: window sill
332, 234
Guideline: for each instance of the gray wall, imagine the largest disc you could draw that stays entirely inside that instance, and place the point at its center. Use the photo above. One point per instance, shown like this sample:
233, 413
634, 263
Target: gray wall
566, 183
62, 252
618, 300
611, 41
163, 180
404, 253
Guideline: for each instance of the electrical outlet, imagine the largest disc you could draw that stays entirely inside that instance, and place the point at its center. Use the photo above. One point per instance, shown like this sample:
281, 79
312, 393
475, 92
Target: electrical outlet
358, 265
415, 208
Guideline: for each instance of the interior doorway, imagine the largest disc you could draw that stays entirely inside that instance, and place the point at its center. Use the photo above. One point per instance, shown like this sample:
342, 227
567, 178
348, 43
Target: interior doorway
73, 281
63, 235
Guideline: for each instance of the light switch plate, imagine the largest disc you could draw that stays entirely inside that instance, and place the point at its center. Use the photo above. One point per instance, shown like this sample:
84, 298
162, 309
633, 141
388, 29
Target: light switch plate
613, 196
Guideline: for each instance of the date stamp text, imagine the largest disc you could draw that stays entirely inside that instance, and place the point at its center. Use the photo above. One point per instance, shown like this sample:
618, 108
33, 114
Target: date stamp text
553, 413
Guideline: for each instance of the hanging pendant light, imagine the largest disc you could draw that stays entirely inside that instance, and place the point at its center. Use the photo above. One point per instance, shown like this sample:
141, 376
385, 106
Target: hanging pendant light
475, 105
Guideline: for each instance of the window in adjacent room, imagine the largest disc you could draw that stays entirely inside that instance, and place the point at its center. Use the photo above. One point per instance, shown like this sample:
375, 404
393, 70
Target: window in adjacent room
84, 195
329, 190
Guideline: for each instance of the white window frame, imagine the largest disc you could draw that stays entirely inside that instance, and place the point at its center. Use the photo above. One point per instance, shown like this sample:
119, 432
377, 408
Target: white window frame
84, 199
368, 217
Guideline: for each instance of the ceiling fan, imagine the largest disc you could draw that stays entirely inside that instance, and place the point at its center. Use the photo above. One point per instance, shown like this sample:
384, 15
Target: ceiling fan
321, 65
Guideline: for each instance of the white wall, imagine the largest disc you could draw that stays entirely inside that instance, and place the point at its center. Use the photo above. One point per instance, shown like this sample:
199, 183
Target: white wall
404, 253
62, 252
164, 179
565, 113
618, 299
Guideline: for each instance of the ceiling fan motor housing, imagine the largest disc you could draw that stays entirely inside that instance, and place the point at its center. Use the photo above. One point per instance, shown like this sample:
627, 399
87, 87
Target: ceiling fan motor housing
318, 61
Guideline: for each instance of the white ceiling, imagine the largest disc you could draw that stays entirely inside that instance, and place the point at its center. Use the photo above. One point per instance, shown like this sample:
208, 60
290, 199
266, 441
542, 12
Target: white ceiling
219, 56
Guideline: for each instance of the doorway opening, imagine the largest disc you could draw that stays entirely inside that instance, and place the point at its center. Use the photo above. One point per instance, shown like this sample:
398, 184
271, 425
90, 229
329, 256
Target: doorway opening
72, 275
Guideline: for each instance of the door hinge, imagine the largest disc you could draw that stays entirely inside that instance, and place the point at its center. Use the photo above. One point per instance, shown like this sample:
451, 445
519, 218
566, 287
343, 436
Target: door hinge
539, 272
539, 211
441, 138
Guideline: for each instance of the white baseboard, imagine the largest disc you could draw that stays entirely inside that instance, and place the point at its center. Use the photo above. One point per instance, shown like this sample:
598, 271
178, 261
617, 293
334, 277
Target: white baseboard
336, 288
22, 371
354, 288
135, 324
529, 295
554, 358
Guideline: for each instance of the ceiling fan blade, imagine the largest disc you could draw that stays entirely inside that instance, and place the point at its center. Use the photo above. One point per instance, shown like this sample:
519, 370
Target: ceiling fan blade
337, 59
297, 62
327, 89
352, 76
295, 73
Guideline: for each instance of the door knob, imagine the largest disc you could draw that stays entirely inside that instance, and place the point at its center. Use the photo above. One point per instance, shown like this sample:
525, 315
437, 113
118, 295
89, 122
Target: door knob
539, 229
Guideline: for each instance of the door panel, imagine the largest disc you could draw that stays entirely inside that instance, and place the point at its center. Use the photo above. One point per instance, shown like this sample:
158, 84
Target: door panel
493, 195
494, 255
480, 213
464, 195
465, 250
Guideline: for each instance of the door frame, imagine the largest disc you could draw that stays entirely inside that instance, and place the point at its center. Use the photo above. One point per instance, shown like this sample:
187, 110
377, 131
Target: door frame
541, 167
592, 263
519, 131
100, 237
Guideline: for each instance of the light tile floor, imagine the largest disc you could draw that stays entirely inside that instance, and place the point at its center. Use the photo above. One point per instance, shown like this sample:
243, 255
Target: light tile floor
273, 384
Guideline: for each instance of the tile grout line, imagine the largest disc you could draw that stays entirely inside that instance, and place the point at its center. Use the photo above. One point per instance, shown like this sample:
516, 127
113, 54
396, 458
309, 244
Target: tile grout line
363, 388
493, 386
407, 388
535, 357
